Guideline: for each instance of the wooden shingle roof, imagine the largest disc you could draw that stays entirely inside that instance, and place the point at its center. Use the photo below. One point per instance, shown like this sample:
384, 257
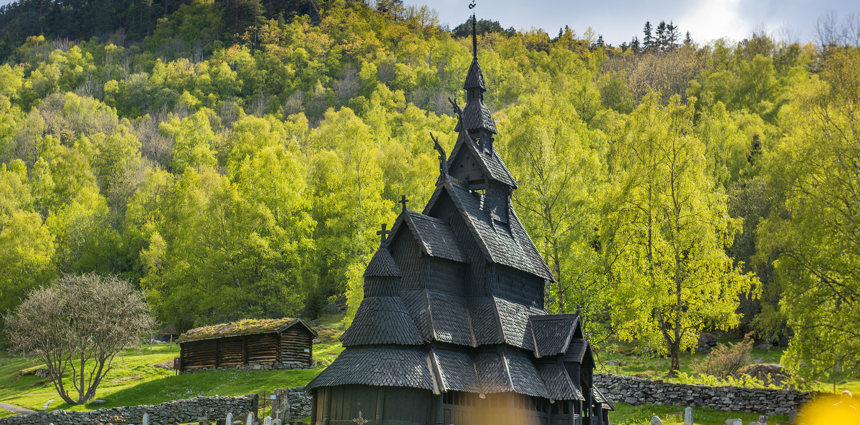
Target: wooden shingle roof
243, 327
475, 77
559, 386
476, 116
382, 320
578, 349
384, 366
382, 265
506, 245
490, 162
552, 333
499, 371
433, 235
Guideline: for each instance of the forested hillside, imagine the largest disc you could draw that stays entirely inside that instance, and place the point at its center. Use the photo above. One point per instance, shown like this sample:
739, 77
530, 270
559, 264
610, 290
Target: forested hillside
235, 159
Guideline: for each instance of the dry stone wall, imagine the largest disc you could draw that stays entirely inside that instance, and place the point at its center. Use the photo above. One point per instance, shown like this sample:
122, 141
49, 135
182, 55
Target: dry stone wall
636, 391
173, 412
253, 366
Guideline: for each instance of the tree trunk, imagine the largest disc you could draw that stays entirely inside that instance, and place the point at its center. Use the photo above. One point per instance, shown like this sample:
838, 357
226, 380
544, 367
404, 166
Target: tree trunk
674, 353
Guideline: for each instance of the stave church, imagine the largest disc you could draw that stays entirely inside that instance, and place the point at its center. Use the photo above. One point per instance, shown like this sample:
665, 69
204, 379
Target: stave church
452, 328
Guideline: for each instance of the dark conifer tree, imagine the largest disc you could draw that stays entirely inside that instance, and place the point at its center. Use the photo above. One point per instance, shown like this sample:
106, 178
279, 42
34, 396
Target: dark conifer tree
648, 39
672, 36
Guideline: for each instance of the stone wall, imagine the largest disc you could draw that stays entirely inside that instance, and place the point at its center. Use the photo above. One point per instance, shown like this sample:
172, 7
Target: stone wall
295, 400
173, 412
253, 366
636, 391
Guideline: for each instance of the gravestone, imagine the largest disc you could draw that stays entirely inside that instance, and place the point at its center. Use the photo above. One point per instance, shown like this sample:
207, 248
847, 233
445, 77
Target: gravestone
229, 419
656, 421
145, 420
688, 416
250, 420
267, 421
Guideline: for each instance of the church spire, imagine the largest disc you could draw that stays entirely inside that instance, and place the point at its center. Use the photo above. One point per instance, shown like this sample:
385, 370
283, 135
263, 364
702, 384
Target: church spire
474, 38
476, 116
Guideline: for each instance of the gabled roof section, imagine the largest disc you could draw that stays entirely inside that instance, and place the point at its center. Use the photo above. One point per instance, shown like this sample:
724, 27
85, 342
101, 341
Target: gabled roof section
382, 265
559, 386
508, 246
435, 237
514, 321
382, 320
485, 321
490, 162
441, 316
244, 327
456, 370
552, 333
578, 349
506, 370
384, 366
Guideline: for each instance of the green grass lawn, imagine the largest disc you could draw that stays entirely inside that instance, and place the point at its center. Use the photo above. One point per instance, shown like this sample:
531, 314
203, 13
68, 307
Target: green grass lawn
135, 379
626, 414
658, 367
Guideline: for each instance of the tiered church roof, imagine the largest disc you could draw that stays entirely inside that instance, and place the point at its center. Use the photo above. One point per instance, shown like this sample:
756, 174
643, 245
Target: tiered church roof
454, 296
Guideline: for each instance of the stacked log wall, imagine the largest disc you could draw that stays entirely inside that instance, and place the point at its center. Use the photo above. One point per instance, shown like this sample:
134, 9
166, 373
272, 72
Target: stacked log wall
296, 346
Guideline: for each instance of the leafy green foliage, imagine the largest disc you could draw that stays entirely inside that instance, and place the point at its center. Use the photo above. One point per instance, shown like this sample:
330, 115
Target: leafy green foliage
235, 159
813, 232
666, 233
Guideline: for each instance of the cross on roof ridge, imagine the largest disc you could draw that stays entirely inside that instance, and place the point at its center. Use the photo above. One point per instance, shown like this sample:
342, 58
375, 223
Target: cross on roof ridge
383, 233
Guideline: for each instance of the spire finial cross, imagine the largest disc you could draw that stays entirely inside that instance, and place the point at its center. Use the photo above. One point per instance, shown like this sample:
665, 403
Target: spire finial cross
383, 234
403, 201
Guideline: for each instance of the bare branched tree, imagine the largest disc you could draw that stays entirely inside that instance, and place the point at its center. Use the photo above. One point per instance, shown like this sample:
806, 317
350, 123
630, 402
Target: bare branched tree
77, 326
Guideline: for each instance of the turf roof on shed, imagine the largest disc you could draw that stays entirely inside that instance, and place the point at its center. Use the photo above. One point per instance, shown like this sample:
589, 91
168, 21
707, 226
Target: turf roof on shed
242, 327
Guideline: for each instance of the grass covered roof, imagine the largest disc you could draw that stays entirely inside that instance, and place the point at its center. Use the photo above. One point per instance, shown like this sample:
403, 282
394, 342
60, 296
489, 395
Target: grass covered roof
241, 327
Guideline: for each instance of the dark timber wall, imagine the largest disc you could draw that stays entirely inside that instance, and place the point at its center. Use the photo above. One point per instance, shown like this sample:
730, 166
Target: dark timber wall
292, 349
296, 346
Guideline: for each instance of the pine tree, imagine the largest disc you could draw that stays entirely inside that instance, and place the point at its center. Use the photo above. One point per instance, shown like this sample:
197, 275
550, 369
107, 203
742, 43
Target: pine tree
661, 42
648, 40
672, 36
688, 40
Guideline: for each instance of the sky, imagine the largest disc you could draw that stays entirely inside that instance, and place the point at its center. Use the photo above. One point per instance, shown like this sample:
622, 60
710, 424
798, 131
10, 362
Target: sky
619, 20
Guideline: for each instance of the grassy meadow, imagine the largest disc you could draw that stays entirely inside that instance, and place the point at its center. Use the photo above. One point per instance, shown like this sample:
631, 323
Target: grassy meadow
138, 377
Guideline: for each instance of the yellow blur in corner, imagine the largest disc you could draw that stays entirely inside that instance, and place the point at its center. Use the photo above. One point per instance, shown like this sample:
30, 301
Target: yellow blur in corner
844, 410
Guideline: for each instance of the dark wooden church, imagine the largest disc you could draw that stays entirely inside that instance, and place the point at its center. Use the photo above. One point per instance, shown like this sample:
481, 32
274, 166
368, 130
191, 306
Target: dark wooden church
452, 328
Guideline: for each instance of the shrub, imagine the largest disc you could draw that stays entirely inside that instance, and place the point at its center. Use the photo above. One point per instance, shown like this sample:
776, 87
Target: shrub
76, 326
725, 359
